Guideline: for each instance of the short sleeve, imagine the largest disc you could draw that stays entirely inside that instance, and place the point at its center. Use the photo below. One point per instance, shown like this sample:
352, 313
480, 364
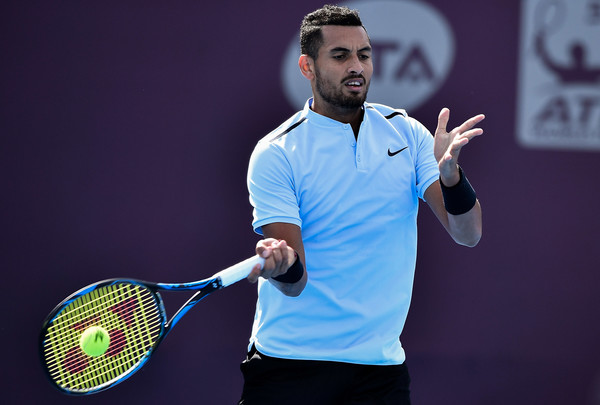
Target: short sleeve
271, 187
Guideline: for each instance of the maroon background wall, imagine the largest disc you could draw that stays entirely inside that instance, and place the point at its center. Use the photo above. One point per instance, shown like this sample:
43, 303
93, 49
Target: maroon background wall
125, 133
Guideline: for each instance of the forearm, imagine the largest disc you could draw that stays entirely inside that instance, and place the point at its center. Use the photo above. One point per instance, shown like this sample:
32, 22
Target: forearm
466, 229
460, 217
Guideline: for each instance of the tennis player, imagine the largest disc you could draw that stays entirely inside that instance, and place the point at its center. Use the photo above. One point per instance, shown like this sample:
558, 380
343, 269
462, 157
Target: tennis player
335, 191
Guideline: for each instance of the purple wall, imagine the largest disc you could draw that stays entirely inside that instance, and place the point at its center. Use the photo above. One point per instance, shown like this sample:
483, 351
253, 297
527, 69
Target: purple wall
126, 128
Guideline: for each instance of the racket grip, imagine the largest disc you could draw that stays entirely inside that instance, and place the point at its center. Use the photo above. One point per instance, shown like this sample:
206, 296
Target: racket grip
239, 271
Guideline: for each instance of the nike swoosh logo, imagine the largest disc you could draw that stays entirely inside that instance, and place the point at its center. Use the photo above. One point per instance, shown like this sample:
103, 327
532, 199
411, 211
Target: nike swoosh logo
390, 153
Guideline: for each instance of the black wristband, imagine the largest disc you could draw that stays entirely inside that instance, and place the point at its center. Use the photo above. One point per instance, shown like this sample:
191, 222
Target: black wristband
459, 198
293, 274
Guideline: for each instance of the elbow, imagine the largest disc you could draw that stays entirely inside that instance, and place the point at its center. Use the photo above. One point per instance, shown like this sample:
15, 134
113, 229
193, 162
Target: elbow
292, 293
466, 229
291, 289
471, 240
471, 243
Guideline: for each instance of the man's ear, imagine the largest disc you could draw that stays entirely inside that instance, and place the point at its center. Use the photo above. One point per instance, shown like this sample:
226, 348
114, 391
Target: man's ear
306, 65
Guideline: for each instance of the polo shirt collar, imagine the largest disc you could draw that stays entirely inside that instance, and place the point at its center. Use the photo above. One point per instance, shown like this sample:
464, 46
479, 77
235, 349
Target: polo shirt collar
322, 120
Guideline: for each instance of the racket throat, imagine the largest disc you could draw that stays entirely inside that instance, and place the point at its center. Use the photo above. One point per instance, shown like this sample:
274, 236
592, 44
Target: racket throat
194, 299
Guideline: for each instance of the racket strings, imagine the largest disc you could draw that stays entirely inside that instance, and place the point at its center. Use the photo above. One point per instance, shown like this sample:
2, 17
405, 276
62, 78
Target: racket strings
90, 317
131, 315
76, 359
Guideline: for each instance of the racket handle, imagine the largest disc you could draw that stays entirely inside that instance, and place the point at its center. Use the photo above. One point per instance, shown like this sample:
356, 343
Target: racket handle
239, 271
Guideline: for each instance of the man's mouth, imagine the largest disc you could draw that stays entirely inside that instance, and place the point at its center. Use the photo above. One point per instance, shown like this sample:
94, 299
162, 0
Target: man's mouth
354, 84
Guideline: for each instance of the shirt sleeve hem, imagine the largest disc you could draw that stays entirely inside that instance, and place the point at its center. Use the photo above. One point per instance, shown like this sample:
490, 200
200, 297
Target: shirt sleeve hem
257, 225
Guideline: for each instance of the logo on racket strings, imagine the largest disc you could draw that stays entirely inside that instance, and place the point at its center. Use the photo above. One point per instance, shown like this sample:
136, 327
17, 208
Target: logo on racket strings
121, 316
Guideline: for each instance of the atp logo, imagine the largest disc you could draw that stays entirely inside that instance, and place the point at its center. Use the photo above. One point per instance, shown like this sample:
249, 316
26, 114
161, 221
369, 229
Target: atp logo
559, 83
413, 52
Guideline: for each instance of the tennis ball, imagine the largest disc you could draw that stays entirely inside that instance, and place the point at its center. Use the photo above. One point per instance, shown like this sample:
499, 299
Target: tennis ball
94, 341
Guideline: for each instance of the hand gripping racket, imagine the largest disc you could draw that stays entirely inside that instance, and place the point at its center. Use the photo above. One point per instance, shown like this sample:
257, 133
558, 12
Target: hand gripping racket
133, 315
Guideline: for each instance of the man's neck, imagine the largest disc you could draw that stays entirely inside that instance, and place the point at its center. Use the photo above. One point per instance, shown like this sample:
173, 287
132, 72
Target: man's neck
353, 116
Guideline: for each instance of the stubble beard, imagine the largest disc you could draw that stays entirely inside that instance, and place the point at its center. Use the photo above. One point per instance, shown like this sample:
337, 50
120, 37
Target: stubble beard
337, 98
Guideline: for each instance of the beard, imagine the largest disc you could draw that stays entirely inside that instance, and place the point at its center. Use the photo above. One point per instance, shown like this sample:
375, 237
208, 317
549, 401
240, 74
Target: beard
335, 95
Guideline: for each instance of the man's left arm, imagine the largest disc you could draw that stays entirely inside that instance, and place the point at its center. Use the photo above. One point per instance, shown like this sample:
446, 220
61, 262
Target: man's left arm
452, 199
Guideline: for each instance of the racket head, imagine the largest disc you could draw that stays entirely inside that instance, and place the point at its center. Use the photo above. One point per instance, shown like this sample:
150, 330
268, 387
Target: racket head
133, 314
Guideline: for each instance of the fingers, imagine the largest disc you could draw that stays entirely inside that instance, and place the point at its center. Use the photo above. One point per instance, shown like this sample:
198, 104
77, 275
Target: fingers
277, 255
255, 273
465, 128
450, 157
463, 134
470, 134
454, 149
458, 143
263, 247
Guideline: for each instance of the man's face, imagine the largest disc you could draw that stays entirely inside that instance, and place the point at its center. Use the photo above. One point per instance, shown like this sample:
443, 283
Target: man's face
344, 67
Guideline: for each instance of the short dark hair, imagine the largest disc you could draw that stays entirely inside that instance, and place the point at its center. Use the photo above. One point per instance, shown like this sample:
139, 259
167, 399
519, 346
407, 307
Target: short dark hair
311, 36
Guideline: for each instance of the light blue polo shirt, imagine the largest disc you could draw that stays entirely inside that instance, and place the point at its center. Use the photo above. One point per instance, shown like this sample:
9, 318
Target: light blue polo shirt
356, 203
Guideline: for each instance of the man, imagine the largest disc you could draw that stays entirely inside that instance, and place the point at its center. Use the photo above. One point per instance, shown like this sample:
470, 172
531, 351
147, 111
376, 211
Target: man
335, 192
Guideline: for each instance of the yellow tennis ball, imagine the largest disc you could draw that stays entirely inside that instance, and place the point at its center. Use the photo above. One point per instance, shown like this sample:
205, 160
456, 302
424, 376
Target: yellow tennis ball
94, 341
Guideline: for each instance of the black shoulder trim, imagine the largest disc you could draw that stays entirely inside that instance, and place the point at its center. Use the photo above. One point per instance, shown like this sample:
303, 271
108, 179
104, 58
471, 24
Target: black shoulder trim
392, 115
287, 131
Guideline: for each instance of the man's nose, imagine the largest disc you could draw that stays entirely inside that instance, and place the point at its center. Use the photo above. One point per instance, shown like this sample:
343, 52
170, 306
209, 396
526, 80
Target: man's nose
355, 67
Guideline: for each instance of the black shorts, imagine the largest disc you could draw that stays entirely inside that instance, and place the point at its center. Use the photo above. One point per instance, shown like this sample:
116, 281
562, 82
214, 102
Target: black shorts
274, 381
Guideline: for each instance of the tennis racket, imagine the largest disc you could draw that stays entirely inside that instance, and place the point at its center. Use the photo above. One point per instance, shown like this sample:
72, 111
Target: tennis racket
133, 315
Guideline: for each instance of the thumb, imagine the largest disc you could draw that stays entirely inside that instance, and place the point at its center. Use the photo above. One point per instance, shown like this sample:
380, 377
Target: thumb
443, 118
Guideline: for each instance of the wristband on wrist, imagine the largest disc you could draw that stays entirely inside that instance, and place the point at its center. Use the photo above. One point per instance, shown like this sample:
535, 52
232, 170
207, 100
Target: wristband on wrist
293, 274
459, 198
